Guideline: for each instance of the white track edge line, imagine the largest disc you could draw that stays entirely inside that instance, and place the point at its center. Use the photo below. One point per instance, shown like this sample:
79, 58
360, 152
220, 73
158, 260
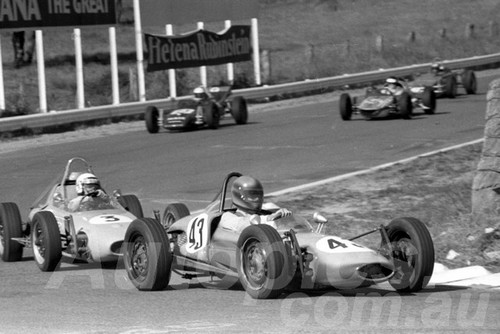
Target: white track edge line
369, 170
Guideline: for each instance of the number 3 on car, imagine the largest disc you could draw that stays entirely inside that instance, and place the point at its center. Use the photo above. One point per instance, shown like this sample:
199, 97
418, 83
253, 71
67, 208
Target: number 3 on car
198, 234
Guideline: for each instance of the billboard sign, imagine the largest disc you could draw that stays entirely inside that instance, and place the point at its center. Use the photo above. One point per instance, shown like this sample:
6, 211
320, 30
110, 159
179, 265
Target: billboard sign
38, 14
199, 48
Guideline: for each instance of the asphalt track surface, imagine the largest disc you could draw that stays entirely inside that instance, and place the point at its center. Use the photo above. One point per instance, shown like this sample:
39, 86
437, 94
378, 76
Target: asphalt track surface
283, 147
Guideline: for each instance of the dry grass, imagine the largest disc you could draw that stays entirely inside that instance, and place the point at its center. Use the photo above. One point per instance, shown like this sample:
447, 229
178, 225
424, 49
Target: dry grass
435, 189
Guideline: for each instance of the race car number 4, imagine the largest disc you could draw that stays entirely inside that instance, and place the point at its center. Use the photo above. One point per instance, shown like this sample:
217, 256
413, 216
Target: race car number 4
335, 245
197, 234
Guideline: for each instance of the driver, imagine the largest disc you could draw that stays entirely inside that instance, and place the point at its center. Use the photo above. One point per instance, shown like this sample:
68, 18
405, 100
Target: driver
394, 86
89, 191
202, 94
437, 69
248, 195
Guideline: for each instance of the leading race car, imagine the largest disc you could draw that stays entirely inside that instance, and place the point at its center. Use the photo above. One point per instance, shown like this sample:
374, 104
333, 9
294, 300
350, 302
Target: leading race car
395, 97
266, 260
92, 231
206, 109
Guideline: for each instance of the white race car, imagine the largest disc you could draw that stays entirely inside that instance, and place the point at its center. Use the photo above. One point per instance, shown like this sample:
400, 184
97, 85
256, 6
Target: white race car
91, 233
267, 260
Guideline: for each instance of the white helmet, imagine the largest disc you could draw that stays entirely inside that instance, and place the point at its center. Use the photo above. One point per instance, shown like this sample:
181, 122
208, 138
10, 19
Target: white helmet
199, 92
87, 183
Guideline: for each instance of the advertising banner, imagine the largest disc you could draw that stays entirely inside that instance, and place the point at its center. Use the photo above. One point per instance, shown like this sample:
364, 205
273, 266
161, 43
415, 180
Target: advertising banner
199, 48
38, 14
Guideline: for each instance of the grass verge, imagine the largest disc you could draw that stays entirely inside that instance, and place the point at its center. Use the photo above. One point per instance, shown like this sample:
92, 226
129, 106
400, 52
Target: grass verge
436, 189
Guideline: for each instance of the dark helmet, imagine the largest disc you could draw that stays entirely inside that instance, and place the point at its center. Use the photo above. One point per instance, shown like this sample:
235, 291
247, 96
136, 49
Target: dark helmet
247, 193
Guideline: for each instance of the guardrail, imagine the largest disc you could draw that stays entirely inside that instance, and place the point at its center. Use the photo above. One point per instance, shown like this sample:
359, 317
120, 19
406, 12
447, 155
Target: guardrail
67, 117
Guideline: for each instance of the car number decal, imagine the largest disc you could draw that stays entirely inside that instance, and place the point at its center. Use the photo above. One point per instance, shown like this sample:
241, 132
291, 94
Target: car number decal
108, 219
336, 245
197, 233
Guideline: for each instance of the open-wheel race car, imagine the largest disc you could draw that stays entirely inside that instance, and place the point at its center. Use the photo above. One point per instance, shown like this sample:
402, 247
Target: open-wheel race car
268, 260
446, 81
205, 109
61, 222
394, 98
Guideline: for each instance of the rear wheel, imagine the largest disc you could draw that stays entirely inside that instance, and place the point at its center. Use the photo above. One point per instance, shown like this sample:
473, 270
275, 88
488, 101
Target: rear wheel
151, 118
405, 105
173, 212
469, 81
413, 254
132, 204
211, 114
10, 227
46, 241
239, 110
262, 262
345, 106
429, 100
147, 257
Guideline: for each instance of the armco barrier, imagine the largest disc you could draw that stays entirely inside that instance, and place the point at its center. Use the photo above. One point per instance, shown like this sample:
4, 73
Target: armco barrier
61, 118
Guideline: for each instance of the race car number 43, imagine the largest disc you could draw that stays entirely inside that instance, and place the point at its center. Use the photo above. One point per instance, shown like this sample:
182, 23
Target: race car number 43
197, 234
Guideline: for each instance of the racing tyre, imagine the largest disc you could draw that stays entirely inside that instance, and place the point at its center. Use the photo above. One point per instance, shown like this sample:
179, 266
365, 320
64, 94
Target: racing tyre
10, 227
239, 110
429, 100
345, 106
46, 241
413, 254
450, 86
151, 118
132, 204
469, 81
147, 257
173, 212
262, 262
405, 105
211, 114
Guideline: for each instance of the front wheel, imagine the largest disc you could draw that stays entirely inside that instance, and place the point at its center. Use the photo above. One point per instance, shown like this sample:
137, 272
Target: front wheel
469, 81
429, 100
132, 204
405, 105
151, 118
46, 241
10, 227
239, 110
173, 212
450, 86
262, 262
147, 257
211, 114
345, 105
413, 254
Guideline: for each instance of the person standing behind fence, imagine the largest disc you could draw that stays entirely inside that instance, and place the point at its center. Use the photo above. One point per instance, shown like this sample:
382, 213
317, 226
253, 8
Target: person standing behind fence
22, 55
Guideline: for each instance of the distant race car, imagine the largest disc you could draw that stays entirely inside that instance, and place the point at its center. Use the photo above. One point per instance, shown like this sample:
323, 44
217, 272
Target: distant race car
267, 260
389, 101
91, 233
446, 81
196, 112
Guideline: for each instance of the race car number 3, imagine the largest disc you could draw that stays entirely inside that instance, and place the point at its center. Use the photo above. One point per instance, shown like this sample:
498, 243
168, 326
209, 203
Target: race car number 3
197, 234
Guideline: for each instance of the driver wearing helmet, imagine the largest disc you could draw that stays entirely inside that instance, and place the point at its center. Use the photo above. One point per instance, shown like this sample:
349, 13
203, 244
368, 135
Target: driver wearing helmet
247, 195
437, 69
89, 191
394, 86
200, 93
